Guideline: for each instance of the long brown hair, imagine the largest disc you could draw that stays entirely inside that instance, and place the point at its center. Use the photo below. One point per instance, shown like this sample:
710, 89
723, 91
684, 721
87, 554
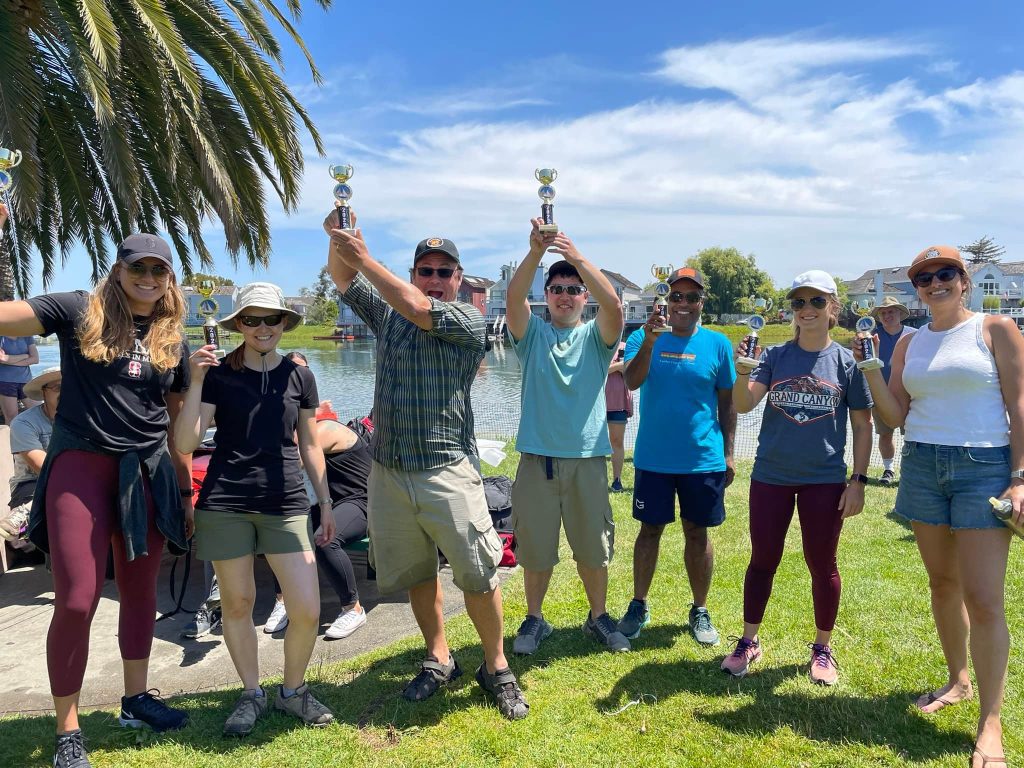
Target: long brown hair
833, 307
107, 330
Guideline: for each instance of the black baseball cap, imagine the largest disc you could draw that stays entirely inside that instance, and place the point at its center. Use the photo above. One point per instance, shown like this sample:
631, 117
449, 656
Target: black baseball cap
141, 246
436, 245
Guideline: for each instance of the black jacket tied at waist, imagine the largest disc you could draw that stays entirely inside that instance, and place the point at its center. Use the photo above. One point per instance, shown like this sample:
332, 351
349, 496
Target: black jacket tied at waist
131, 496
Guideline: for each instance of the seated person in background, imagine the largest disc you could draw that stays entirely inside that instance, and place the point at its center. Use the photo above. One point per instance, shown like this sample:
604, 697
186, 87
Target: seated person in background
30, 437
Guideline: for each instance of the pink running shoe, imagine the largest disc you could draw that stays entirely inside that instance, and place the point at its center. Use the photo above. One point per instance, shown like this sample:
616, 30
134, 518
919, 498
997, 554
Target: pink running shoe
746, 653
824, 667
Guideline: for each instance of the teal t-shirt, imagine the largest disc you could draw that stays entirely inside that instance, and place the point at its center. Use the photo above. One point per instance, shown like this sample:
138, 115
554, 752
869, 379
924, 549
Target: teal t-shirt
679, 431
562, 399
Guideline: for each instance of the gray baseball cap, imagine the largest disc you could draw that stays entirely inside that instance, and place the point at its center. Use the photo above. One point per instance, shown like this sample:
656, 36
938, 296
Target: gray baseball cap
142, 245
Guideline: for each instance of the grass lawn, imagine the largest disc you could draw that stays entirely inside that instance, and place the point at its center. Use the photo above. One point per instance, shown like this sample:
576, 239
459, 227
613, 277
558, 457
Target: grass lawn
885, 644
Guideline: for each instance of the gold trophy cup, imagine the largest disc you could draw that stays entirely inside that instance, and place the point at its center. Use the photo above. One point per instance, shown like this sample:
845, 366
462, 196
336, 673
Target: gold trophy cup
9, 158
756, 322
547, 194
865, 330
342, 194
661, 273
209, 307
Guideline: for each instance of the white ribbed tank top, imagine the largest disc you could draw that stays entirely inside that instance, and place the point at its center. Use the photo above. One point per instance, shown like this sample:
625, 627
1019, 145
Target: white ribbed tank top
954, 390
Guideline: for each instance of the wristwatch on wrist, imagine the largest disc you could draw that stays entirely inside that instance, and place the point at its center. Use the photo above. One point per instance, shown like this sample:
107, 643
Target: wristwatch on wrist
186, 493
326, 501
857, 478
1017, 474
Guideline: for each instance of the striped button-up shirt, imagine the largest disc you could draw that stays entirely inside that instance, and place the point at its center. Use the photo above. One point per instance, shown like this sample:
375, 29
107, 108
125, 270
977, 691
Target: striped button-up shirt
422, 415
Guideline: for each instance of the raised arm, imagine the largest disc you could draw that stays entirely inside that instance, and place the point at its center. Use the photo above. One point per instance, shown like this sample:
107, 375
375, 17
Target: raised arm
892, 401
610, 318
746, 393
18, 319
195, 416
517, 305
341, 273
640, 364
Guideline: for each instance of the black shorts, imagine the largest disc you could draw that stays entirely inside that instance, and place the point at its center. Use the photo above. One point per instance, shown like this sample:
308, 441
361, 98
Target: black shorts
701, 498
12, 389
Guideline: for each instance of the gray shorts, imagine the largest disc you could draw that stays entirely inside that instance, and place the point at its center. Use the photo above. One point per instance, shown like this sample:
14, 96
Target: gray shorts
576, 496
412, 514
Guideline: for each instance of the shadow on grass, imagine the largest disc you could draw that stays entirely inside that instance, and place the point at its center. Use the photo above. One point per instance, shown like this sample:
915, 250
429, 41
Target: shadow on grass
832, 717
369, 699
902, 522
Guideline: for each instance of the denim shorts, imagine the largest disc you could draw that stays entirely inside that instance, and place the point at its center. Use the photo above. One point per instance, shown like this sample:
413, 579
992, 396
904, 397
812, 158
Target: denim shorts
951, 485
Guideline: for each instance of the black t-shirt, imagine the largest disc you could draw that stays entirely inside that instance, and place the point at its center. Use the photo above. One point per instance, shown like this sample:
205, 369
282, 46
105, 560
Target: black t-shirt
255, 466
348, 471
118, 406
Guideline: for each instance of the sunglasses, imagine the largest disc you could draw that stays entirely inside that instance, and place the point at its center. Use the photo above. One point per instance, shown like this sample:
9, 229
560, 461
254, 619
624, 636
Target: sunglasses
693, 297
159, 271
251, 321
818, 302
572, 290
443, 272
924, 279
51, 388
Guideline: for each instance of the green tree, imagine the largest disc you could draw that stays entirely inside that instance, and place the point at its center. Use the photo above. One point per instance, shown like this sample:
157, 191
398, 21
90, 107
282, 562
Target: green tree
193, 279
323, 312
984, 251
137, 115
323, 289
731, 279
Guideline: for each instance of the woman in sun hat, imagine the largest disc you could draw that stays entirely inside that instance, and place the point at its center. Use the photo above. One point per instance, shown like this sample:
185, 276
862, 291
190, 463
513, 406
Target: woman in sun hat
956, 389
811, 384
253, 500
111, 480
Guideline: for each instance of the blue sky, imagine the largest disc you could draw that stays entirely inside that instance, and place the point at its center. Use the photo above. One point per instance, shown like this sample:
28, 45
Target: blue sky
835, 136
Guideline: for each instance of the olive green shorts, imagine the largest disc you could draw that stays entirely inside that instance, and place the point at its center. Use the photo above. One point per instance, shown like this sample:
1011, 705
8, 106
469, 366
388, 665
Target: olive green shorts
227, 535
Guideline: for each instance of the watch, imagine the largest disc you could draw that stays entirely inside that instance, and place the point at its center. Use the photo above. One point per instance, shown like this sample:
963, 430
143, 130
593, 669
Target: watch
326, 501
186, 493
856, 478
1017, 474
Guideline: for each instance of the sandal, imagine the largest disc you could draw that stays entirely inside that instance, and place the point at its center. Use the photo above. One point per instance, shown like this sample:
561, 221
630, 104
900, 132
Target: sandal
985, 759
507, 694
931, 698
432, 676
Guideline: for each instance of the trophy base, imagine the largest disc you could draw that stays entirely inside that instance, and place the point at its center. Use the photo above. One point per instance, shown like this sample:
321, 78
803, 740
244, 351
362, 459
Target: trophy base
871, 364
747, 362
219, 353
548, 229
661, 329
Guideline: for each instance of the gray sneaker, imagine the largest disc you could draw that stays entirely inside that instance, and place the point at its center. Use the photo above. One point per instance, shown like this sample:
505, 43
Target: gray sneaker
532, 632
638, 616
15, 525
701, 627
248, 709
303, 705
603, 629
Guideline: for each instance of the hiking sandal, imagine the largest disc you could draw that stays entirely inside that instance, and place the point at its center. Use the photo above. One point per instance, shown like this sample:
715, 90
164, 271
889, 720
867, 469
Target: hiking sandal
507, 694
433, 674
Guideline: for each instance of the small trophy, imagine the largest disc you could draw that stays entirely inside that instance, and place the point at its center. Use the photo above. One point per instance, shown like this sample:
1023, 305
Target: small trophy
9, 158
756, 322
661, 273
342, 194
865, 329
209, 307
547, 193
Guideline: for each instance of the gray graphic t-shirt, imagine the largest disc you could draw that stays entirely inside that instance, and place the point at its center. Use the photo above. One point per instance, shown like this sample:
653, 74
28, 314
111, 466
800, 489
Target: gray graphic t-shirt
803, 431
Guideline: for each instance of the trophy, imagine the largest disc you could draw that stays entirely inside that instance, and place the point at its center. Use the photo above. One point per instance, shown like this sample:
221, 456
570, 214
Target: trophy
9, 158
661, 273
865, 329
547, 193
756, 322
342, 194
209, 307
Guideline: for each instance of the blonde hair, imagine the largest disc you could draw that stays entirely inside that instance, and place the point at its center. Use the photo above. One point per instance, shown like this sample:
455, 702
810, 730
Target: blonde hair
107, 329
834, 307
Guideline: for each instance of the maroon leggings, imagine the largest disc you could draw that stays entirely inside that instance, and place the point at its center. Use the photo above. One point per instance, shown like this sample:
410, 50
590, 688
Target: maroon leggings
771, 511
82, 520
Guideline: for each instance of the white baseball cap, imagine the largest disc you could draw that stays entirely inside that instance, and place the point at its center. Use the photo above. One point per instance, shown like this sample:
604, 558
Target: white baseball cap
818, 279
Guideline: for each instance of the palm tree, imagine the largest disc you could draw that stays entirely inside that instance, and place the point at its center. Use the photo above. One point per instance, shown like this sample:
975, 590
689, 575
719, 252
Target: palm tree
147, 115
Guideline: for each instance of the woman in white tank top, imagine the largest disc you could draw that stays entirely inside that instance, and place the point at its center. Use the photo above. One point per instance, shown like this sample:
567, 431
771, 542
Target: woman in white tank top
956, 389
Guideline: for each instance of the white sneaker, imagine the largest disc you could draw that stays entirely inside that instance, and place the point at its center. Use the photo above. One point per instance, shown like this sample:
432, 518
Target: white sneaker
347, 623
278, 618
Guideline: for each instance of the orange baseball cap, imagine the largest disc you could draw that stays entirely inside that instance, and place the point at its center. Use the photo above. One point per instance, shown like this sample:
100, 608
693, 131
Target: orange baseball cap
686, 273
936, 255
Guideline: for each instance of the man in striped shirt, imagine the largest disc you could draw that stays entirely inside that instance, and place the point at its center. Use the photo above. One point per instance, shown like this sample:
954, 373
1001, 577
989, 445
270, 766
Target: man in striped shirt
424, 494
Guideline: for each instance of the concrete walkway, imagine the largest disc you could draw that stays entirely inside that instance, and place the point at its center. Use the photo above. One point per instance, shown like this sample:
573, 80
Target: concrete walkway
177, 665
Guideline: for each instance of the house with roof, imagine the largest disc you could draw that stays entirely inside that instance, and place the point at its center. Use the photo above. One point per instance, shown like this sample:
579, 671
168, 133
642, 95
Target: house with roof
474, 291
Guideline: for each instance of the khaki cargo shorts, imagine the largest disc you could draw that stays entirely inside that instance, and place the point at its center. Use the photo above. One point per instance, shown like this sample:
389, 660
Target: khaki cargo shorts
576, 496
412, 514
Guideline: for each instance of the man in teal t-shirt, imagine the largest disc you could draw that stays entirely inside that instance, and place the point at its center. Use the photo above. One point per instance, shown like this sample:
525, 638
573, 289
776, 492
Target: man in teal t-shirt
683, 447
563, 436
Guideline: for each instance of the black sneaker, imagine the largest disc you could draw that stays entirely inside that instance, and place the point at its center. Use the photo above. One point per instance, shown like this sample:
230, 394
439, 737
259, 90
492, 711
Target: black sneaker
149, 709
70, 751
606, 631
205, 621
507, 694
433, 674
888, 478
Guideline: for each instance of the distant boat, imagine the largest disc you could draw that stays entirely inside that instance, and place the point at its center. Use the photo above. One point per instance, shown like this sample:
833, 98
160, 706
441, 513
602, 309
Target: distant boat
331, 338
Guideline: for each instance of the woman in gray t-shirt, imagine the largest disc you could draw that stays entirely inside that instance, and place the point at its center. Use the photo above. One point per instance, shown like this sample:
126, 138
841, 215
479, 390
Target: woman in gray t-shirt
811, 384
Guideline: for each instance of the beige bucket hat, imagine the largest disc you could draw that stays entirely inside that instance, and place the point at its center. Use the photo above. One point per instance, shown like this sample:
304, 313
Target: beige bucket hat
261, 296
889, 302
34, 389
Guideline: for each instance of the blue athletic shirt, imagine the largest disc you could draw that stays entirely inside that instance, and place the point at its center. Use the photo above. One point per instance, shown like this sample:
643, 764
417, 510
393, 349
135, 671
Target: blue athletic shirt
679, 431
563, 408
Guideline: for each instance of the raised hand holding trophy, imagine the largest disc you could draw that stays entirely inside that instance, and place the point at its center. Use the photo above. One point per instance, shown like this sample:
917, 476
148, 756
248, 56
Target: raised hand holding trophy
342, 194
209, 307
9, 158
661, 273
547, 193
755, 322
865, 330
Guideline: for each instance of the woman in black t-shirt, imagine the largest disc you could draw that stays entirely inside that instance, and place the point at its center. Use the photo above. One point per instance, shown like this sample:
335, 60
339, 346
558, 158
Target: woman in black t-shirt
253, 500
110, 480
